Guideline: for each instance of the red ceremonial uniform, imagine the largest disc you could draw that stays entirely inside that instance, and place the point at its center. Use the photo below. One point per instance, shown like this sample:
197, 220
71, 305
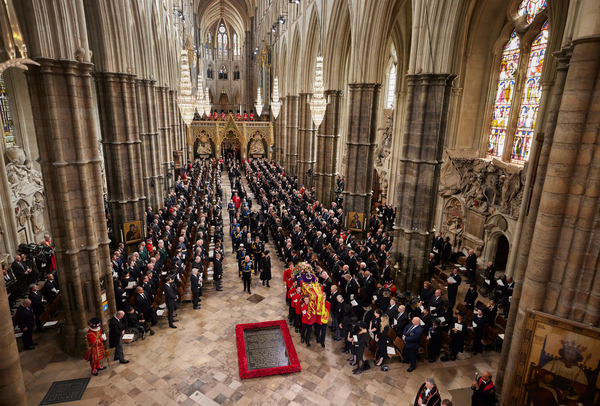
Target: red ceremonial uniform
297, 302
305, 319
245, 116
287, 278
215, 116
238, 116
95, 349
223, 116
251, 116
53, 258
291, 293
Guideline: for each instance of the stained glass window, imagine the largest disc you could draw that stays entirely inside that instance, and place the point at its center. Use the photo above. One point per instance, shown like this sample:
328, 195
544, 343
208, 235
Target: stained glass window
531, 8
7, 122
222, 41
530, 101
504, 95
209, 47
391, 88
235, 45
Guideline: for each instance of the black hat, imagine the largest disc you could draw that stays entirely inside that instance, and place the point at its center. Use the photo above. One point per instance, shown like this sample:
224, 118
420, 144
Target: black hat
462, 314
95, 322
267, 252
362, 325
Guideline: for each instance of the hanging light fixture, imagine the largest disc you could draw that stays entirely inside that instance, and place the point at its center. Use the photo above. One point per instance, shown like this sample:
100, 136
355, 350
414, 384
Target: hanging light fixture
12, 39
275, 103
207, 105
186, 99
200, 95
318, 103
259, 103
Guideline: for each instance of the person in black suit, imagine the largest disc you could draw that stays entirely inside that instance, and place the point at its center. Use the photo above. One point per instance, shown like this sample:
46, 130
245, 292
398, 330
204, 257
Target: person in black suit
23, 274
446, 251
453, 287
392, 310
218, 272
368, 287
37, 305
360, 341
25, 321
412, 342
143, 305
170, 298
117, 329
478, 324
436, 303
471, 297
50, 288
471, 265
435, 340
196, 284
400, 320
120, 295
265, 268
431, 269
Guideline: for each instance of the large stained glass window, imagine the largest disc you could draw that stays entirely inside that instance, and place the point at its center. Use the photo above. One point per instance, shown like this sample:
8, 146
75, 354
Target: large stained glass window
504, 96
530, 101
7, 122
531, 8
222, 41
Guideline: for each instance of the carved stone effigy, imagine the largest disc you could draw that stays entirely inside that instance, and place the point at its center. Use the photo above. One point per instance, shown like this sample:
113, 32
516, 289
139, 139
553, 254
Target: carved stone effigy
484, 185
23, 178
476, 191
256, 146
383, 152
26, 188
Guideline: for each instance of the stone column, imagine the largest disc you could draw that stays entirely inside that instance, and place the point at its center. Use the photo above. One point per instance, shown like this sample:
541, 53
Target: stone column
164, 128
12, 386
175, 129
291, 150
328, 135
122, 148
280, 144
562, 259
419, 170
149, 135
65, 125
306, 135
360, 147
529, 207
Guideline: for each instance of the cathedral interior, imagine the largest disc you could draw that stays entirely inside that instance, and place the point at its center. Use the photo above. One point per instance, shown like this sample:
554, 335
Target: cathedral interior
475, 121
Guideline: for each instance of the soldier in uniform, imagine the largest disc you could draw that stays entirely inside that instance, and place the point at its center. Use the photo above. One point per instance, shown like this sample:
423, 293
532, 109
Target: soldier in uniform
257, 251
247, 273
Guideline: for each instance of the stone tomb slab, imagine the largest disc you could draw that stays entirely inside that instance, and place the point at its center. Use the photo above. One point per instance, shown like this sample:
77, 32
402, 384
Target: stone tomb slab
265, 349
65, 391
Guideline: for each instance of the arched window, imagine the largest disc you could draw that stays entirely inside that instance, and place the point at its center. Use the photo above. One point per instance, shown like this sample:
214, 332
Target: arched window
209, 72
504, 95
530, 100
531, 8
7, 122
510, 139
223, 72
236, 73
222, 41
236, 51
389, 104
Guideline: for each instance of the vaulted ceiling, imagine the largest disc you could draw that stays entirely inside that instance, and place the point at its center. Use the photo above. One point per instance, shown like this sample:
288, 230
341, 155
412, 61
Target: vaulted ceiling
235, 12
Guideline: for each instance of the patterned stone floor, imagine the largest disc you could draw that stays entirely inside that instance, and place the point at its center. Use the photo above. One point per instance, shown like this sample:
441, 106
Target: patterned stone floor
197, 363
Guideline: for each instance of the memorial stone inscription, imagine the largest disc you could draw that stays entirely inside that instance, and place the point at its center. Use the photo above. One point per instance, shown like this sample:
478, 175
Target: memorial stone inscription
265, 348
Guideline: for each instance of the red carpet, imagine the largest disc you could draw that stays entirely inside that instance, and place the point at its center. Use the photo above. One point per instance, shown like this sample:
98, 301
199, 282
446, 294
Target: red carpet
265, 349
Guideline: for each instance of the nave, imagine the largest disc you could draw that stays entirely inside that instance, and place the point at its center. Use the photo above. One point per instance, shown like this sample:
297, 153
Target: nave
197, 363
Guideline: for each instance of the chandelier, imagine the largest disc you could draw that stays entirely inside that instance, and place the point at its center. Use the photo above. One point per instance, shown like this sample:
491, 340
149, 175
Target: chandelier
318, 103
275, 103
259, 103
200, 95
207, 105
186, 99
12, 39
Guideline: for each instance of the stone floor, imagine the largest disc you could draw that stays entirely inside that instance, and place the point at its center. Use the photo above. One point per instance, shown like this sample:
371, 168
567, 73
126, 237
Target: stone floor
197, 363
